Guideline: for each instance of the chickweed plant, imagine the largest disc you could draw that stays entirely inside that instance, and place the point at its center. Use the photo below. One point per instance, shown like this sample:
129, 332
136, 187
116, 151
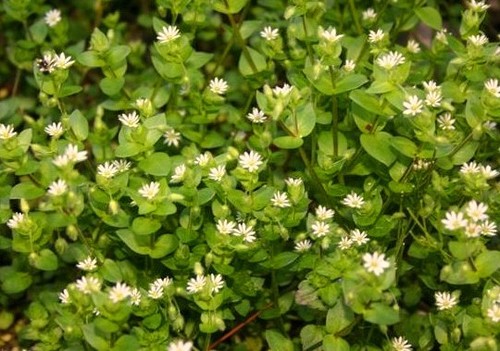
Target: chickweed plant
249, 175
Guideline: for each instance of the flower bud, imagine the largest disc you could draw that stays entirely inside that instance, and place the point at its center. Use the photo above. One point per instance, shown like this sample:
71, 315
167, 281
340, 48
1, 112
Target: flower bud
61, 245
198, 269
113, 207
72, 232
24, 205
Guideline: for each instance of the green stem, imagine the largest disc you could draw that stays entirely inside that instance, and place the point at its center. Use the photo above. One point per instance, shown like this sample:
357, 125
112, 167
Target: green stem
316, 181
335, 117
308, 46
354, 14
27, 30
16, 82
222, 58
275, 291
206, 345
459, 146
240, 41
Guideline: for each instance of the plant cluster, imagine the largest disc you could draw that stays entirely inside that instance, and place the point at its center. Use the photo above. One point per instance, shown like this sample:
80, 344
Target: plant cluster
248, 175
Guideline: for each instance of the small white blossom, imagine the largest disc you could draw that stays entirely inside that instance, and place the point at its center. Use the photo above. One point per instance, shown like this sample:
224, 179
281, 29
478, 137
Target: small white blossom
107, 170
250, 160
180, 346
359, 237
478, 40
492, 87
61, 161
390, 60
488, 172
376, 36
445, 300
149, 191
196, 284
375, 263
433, 99
490, 125
179, 173
431, 86
7, 132
323, 213
477, 6
345, 243
52, 17
203, 159
349, 65
130, 120
216, 283
172, 138
488, 228
246, 231
446, 122
163, 282
17, 219
476, 211
119, 292
441, 36
47, 64
218, 86
88, 264
88, 285
282, 91
303, 245
57, 188
470, 168
155, 291
269, 33
225, 227
369, 15
143, 103
454, 220
293, 181
217, 173
494, 313
74, 155
320, 229
280, 199
400, 344
135, 297
472, 230
413, 106
330, 35
413, 46
64, 297
256, 116
353, 200
122, 165
63, 62
54, 130
168, 34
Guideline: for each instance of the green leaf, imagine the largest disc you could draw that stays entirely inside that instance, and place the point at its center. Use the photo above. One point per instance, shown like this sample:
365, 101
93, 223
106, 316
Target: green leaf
302, 123
281, 260
126, 343
45, 260
165, 244
404, 146
278, 342
90, 335
288, 142
379, 313
157, 164
311, 335
229, 6
366, 101
110, 271
14, 282
459, 272
79, 125
430, 16
26, 190
117, 54
111, 85
39, 31
259, 61
465, 153
338, 318
128, 150
487, 263
145, 225
198, 59
378, 146
334, 343
90, 59
349, 82
68, 90
134, 242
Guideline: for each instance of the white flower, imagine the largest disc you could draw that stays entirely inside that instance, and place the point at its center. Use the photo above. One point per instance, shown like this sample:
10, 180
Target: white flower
472, 230
179, 173
171, 137
390, 60
454, 220
149, 191
251, 161
88, 285
345, 243
303, 245
349, 65
122, 165
163, 282
61, 160
155, 291
203, 159
143, 103
119, 292
476, 211
168, 34
358, 237
88, 264
490, 125
433, 99
57, 188
180, 346
245, 231
446, 122
320, 229
492, 87
431, 86
216, 282
400, 344
196, 284
369, 14
377, 36
257, 116
479, 6
16, 220
7, 132
280, 199
488, 228
488, 172
323, 213
64, 297
353, 200
217, 173
107, 170
413, 46
52, 17
63, 62
470, 168
494, 313
225, 227
47, 64
74, 155
441, 36
478, 40
55, 130
282, 91
445, 300
269, 33
330, 35
218, 86
135, 297
130, 120
413, 106
293, 181
375, 263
